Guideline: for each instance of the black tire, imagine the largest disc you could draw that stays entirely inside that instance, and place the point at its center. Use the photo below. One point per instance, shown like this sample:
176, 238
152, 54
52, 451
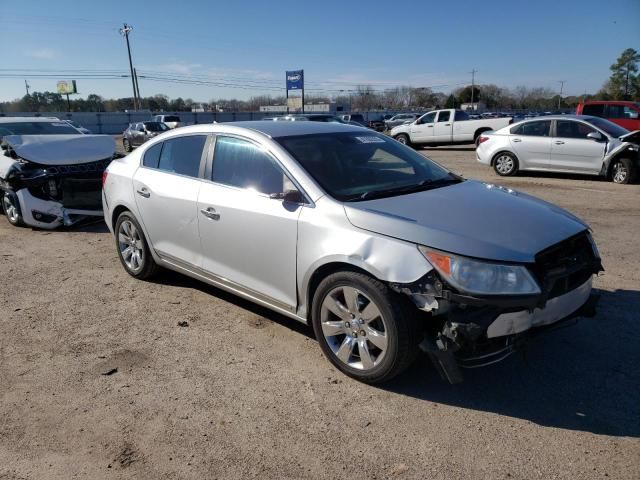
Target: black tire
126, 144
400, 327
11, 209
623, 171
505, 164
403, 138
147, 265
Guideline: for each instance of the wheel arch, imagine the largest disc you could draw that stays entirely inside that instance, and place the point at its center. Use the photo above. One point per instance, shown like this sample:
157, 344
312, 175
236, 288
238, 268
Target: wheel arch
479, 132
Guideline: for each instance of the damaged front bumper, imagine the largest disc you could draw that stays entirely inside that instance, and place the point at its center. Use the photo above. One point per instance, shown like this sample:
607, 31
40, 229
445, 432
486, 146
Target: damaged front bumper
49, 214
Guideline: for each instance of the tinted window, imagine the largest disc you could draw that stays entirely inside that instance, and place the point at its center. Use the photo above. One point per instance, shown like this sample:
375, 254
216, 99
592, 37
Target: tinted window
428, 118
350, 164
152, 156
610, 128
533, 129
171, 118
461, 116
444, 116
570, 129
621, 111
155, 126
242, 164
595, 110
182, 155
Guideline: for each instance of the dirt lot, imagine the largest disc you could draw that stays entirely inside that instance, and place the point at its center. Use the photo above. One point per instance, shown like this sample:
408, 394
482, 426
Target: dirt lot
241, 392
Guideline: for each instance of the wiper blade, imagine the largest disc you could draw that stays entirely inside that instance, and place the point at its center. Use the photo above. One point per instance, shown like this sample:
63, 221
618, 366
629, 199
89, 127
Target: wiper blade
416, 187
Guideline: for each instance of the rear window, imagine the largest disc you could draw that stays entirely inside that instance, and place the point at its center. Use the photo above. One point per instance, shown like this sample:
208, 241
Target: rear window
37, 128
595, 110
182, 155
152, 156
171, 118
532, 129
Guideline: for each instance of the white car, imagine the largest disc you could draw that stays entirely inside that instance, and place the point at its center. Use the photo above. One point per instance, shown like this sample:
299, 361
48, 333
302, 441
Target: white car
445, 127
171, 121
563, 143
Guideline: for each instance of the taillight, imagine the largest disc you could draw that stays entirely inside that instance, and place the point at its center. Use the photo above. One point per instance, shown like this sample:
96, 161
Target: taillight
481, 139
104, 177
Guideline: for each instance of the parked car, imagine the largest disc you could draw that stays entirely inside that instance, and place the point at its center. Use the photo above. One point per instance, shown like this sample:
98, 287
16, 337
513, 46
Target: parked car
377, 124
138, 133
50, 173
354, 117
380, 249
625, 114
445, 127
171, 121
563, 143
79, 127
401, 119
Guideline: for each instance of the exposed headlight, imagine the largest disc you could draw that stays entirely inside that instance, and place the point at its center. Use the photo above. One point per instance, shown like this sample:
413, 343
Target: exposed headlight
481, 278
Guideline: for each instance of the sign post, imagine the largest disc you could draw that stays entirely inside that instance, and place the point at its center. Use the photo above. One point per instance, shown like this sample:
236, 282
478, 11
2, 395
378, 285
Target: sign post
67, 87
295, 81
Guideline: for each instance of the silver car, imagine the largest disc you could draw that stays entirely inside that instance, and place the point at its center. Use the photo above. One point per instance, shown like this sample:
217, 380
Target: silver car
563, 143
382, 250
401, 119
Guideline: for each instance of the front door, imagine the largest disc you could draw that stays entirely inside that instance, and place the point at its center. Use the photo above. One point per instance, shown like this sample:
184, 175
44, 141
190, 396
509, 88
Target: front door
421, 130
249, 239
442, 129
572, 150
166, 191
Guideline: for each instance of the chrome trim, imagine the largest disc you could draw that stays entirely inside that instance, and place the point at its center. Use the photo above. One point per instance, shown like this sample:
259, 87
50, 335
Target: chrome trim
198, 273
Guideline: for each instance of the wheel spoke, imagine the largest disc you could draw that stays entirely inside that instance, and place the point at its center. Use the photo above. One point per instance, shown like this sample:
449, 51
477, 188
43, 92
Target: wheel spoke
126, 228
377, 338
335, 307
365, 355
330, 329
370, 313
127, 253
345, 350
351, 299
122, 238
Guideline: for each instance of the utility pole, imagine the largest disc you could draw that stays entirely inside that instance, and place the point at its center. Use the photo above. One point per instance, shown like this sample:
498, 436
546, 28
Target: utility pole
473, 87
27, 86
135, 75
561, 82
124, 31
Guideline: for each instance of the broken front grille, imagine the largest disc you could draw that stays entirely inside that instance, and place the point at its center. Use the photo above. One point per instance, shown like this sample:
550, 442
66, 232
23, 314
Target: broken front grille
565, 266
92, 167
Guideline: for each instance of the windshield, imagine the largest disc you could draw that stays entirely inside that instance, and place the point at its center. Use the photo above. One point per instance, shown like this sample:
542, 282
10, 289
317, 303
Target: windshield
155, 126
37, 128
353, 166
608, 127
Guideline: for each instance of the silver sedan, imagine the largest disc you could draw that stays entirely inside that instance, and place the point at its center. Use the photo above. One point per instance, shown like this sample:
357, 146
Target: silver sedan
382, 250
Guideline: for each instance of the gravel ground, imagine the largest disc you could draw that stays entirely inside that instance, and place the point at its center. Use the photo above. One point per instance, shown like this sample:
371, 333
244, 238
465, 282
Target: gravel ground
98, 380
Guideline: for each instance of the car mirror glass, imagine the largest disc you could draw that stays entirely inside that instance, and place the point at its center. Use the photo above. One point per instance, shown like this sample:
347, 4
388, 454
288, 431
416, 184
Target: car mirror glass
290, 196
594, 135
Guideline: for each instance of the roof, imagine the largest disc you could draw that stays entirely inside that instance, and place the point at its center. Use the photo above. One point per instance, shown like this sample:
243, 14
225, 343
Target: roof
559, 117
286, 129
29, 119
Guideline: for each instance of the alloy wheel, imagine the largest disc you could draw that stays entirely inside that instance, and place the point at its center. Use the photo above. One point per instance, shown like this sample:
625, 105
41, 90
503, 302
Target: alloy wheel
504, 164
353, 328
619, 172
10, 209
130, 246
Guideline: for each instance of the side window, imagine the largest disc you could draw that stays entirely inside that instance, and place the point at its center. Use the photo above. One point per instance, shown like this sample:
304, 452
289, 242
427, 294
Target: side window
182, 155
533, 129
461, 116
595, 110
428, 118
152, 156
615, 111
570, 129
444, 116
630, 113
242, 164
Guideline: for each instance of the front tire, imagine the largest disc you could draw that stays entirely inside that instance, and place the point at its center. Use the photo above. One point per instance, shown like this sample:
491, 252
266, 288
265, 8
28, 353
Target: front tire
133, 249
505, 164
11, 209
403, 138
623, 171
365, 329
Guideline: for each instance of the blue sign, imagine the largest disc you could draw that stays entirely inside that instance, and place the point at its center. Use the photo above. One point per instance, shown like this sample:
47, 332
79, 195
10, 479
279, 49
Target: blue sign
295, 80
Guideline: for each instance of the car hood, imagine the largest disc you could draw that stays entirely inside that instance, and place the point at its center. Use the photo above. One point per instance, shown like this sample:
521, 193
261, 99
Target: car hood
470, 218
632, 137
62, 149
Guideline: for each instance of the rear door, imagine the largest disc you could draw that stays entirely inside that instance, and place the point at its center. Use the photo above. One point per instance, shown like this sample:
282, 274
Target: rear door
421, 131
572, 150
531, 142
442, 130
166, 190
249, 239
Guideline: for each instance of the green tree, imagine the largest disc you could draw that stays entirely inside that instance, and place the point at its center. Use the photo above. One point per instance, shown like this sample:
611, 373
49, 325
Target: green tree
623, 80
452, 102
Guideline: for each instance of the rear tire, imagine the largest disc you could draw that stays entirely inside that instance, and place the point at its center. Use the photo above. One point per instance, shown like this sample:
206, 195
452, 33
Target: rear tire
11, 208
505, 164
133, 249
366, 330
403, 138
623, 171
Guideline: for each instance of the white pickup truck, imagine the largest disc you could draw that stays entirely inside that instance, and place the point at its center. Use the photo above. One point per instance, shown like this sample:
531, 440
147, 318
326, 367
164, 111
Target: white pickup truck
445, 126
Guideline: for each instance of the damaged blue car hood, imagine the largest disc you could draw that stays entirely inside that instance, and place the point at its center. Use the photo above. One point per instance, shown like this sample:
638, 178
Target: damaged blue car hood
469, 218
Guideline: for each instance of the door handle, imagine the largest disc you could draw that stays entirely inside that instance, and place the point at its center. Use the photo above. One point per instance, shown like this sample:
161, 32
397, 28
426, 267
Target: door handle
559, 142
447, 124
144, 192
516, 140
429, 126
210, 212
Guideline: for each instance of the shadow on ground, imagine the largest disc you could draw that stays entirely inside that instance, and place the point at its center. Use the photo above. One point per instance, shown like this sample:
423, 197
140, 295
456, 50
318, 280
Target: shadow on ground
584, 377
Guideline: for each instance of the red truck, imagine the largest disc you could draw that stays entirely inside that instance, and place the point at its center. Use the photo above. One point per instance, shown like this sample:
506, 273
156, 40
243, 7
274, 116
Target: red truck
625, 114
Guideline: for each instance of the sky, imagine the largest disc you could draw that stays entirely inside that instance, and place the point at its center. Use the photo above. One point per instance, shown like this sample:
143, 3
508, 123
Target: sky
241, 48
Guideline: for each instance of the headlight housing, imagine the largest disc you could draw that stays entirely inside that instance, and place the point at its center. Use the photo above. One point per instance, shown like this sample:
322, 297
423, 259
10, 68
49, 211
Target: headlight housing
479, 277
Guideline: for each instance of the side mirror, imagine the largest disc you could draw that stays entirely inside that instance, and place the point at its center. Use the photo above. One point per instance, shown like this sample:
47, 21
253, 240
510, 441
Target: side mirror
290, 196
594, 136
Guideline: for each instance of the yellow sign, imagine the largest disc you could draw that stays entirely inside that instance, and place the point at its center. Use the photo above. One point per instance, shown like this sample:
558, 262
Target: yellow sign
66, 87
